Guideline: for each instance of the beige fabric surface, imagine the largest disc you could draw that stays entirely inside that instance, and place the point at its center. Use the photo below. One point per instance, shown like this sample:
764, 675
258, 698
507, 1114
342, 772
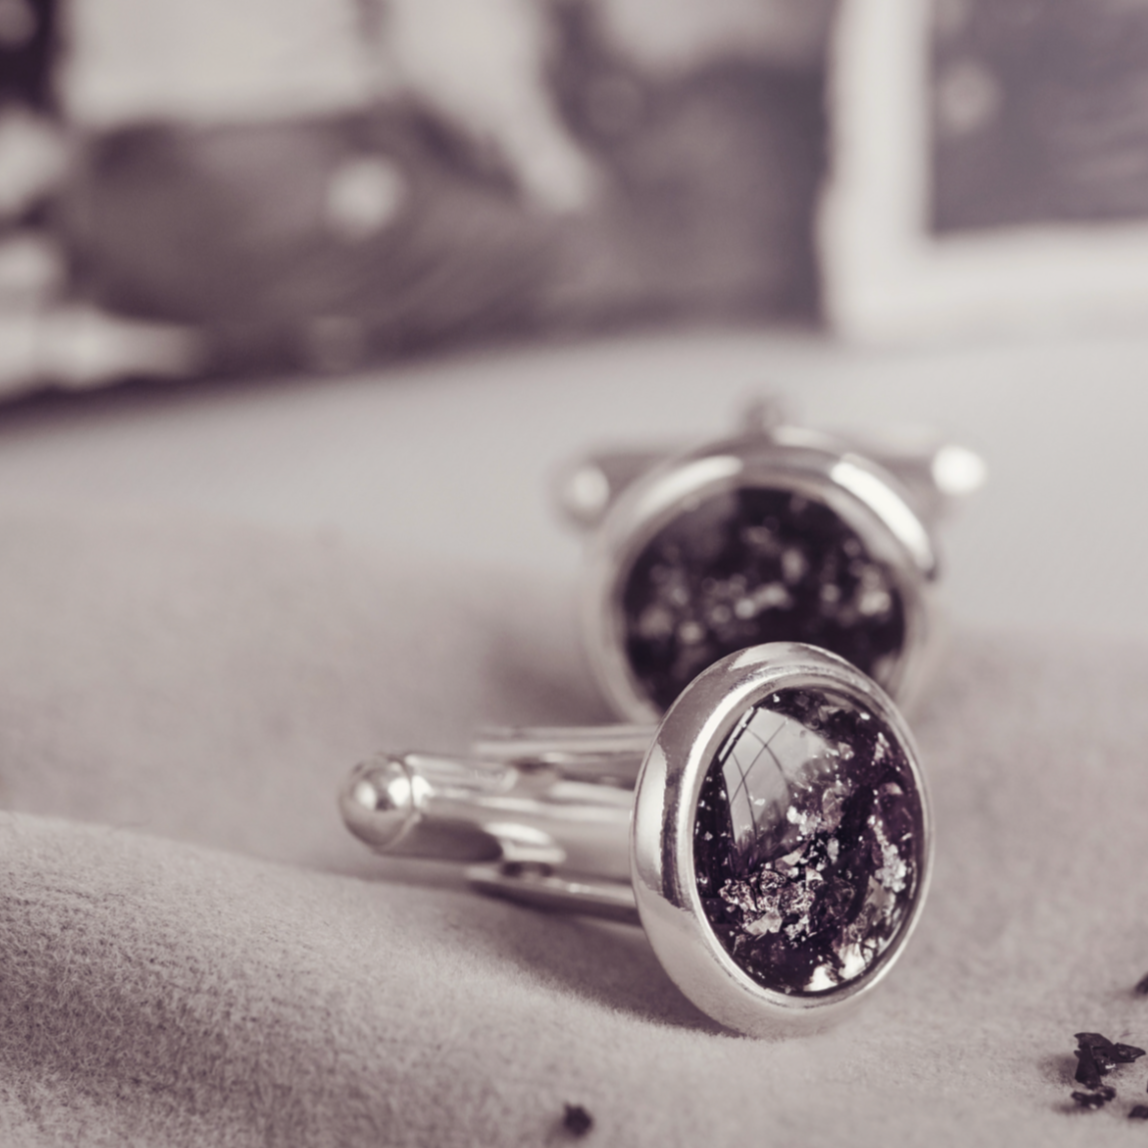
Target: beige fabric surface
193, 952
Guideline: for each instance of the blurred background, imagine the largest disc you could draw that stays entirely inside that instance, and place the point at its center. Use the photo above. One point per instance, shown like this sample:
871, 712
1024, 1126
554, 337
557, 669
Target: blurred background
339, 182
377, 268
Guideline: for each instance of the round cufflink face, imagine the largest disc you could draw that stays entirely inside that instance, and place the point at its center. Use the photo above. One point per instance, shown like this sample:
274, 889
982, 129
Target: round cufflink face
754, 542
781, 841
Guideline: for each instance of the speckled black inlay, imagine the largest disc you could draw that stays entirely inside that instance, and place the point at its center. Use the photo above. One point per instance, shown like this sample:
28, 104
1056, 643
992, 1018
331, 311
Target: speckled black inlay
808, 841
750, 566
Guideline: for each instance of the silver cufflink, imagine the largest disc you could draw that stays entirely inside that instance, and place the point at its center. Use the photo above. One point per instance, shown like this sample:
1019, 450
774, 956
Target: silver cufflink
776, 534
772, 835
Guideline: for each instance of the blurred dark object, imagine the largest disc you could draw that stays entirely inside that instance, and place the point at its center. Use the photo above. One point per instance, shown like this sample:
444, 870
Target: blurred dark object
1040, 112
337, 241
27, 39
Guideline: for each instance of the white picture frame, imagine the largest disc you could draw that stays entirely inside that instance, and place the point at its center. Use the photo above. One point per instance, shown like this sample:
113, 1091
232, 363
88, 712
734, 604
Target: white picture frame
886, 277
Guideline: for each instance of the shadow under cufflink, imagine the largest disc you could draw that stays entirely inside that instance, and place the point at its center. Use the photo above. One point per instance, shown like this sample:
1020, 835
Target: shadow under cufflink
608, 963
603, 962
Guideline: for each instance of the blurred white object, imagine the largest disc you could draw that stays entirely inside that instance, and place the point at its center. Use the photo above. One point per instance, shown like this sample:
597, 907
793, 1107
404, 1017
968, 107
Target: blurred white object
364, 196
33, 157
669, 36
482, 64
212, 60
77, 347
958, 470
886, 278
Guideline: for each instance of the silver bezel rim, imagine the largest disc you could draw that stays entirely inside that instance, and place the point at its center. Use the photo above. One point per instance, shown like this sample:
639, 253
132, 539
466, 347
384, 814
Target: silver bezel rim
662, 863
875, 505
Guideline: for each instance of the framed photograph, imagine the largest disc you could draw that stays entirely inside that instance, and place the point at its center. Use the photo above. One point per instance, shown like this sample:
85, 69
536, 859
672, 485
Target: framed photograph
989, 168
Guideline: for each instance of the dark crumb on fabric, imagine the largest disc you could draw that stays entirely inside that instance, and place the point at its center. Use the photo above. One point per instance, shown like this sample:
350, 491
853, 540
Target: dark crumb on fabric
1096, 1056
1101, 1049
1142, 984
1104, 1050
576, 1120
1097, 1099
1088, 1071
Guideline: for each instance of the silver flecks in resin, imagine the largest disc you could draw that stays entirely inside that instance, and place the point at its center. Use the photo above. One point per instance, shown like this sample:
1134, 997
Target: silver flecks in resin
808, 841
756, 565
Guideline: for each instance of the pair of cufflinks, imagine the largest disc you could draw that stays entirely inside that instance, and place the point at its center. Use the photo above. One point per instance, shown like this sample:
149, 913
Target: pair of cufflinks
751, 609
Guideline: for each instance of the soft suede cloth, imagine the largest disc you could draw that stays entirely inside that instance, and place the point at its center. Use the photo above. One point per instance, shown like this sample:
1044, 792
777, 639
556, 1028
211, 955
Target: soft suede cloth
192, 950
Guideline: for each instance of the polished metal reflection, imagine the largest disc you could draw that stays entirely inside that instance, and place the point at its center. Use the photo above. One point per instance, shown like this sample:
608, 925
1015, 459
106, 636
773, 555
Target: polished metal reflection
566, 819
538, 800
769, 756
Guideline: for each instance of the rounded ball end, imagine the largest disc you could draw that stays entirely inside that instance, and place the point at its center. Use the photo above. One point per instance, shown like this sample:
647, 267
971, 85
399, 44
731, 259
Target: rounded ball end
377, 801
